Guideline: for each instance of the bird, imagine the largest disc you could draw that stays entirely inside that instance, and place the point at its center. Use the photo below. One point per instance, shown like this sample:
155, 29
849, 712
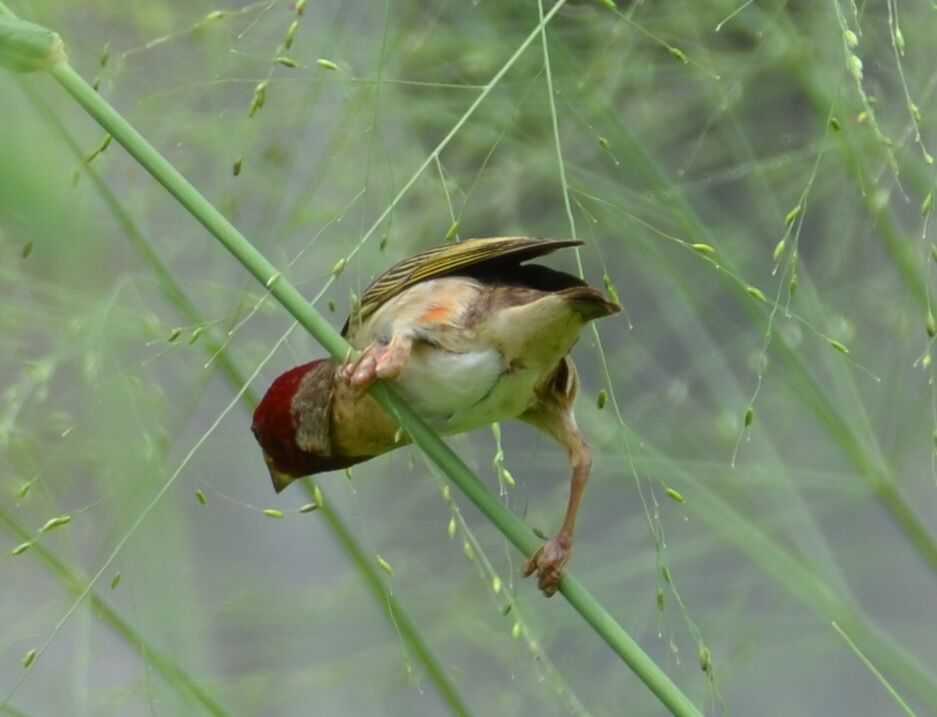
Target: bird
469, 334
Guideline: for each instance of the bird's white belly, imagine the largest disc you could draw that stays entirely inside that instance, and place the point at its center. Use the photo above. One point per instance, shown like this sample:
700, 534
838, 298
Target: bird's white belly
457, 392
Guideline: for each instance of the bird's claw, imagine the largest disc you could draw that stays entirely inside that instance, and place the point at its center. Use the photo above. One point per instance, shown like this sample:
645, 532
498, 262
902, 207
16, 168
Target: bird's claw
361, 372
378, 360
549, 562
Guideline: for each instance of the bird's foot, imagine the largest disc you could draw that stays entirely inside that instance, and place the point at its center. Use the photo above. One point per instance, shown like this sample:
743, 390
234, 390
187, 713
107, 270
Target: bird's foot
361, 372
549, 562
376, 361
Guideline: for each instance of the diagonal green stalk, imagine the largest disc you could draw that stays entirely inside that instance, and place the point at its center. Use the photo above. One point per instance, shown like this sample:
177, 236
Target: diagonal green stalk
76, 584
290, 298
215, 348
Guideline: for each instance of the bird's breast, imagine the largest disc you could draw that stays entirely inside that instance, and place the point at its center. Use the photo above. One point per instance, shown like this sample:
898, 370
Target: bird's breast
457, 392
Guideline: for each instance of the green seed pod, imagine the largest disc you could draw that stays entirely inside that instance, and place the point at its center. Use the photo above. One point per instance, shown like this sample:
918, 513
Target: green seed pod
507, 477
792, 287
29, 658
679, 54
496, 584
326, 64
274, 513
665, 574
838, 346
300, 6
25, 47
317, 496
53, 523
308, 508
453, 231
385, 566
851, 39
601, 399
703, 248
339, 267
24, 489
792, 215
27, 249
899, 40
757, 293
931, 324
236, 167
176, 333
661, 600
115, 581
469, 552
749, 416
196, 335
452, 528
779, 249
676, 495
201, 497
927, 204
291, 34
516, 630
20, 549
100, 149
925, 362
604, 144
287, 62
835, 125
260, 97
855, 67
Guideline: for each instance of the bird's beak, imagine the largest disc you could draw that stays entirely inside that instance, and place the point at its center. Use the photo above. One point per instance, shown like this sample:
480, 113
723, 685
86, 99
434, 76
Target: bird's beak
280, 479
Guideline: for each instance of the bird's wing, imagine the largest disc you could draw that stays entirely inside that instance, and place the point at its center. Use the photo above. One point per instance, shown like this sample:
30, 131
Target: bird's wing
450, 259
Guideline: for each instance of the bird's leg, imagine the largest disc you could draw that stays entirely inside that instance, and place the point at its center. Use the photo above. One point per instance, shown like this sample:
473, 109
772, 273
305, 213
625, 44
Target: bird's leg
550, 559
378, 360
553, 414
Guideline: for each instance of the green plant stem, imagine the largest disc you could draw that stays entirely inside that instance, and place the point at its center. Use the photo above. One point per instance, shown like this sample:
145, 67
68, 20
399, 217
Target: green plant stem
170, 288
163, 664
874, 670
403, 624
215, 348
290, 298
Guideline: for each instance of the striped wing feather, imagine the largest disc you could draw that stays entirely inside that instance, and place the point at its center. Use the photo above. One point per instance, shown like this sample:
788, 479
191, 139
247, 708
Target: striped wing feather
451, 259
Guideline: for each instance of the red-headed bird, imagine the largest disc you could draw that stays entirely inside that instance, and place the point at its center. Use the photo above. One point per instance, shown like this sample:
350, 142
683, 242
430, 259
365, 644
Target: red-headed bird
468, 334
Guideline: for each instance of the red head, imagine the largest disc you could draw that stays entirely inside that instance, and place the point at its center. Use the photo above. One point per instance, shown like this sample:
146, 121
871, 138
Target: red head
292, 424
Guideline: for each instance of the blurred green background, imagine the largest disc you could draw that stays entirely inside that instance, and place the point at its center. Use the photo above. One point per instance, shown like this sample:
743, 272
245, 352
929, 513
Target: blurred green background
806, 472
